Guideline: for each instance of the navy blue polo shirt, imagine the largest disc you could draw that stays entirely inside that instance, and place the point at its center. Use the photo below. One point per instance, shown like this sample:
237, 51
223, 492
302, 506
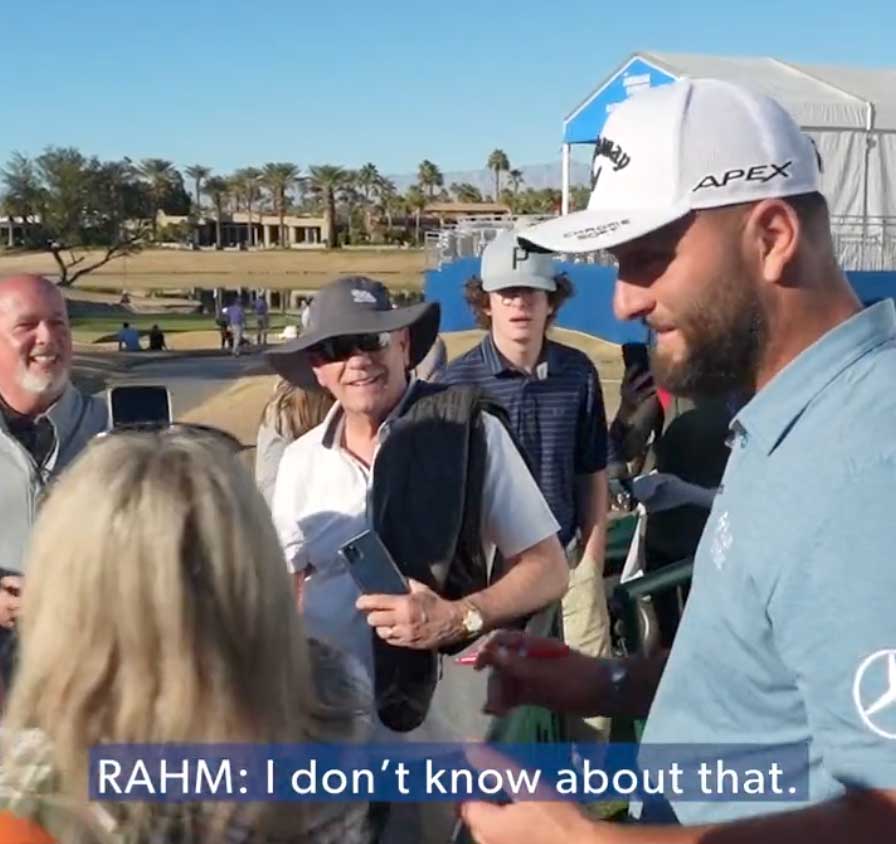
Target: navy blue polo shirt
557, 412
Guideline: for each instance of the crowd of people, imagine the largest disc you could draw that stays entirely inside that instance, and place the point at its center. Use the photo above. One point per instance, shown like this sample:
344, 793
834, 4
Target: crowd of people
152, 590
233, 324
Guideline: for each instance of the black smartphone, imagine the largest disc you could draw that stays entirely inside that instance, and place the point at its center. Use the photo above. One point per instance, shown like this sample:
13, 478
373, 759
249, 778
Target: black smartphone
372, 567
132, 404
635, 356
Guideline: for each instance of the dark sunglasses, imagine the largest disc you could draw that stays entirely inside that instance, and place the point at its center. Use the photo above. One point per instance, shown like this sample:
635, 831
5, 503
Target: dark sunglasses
342, 348
209, 432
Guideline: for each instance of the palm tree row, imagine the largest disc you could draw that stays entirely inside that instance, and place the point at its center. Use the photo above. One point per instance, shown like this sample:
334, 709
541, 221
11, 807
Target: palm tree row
358, 202
335, 192
338, 193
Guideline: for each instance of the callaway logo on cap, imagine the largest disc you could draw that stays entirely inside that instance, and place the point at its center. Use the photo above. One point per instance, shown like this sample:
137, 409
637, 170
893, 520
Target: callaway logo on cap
666, 151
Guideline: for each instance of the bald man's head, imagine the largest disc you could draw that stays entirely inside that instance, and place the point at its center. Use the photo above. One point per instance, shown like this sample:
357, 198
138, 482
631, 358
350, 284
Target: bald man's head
35, 343
27, 283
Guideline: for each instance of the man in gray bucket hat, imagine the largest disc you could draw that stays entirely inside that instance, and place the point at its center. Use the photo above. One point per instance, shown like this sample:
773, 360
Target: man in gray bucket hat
435, 473
351, 308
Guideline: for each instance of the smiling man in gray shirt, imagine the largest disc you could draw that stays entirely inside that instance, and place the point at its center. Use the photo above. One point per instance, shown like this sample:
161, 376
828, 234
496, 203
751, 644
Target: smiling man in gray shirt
44, 422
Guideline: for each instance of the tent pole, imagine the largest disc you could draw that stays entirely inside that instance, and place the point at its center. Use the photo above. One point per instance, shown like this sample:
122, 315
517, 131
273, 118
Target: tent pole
869, 126
564, 170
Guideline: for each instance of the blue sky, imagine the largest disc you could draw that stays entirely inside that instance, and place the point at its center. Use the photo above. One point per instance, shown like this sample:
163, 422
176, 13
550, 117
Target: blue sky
229, 84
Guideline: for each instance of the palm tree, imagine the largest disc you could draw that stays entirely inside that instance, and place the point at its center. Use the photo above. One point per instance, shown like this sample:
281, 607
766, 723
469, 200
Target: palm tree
516, 179
430, 177
161, 175
367, 179
350, 197
278, 178
417, 202
116, 184
249, 181
217, 188
465, 192
198, 174
326, 180
234, 192
387, 194
497, 162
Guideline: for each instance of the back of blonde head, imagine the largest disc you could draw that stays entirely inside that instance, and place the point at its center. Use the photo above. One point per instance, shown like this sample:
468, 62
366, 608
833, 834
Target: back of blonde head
293, 411
158, 608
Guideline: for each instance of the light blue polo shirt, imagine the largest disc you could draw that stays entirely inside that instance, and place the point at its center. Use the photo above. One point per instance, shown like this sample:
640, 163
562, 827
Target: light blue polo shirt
789, 633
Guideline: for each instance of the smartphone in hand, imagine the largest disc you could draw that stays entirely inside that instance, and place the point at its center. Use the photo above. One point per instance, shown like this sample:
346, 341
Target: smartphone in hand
372, 567
635, 356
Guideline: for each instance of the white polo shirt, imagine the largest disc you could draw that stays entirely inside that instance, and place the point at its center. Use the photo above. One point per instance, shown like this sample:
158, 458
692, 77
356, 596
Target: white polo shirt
321, 501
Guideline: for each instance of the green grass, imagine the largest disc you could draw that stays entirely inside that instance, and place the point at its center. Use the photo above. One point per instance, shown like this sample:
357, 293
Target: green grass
108, 325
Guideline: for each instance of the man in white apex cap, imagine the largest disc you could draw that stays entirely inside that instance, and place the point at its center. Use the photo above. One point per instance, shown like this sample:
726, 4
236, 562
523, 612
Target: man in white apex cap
708, 195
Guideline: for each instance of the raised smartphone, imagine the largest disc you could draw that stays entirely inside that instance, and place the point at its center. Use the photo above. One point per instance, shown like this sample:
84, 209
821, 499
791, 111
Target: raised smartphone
133, 404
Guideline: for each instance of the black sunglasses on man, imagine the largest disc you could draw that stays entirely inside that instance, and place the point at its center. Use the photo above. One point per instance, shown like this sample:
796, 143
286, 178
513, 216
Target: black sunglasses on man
342, 348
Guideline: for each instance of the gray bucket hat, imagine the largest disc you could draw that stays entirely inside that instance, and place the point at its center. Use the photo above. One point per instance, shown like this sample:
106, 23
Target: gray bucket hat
354, 305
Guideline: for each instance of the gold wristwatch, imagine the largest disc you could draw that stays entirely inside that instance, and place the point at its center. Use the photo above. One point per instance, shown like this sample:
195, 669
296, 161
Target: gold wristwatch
472, 620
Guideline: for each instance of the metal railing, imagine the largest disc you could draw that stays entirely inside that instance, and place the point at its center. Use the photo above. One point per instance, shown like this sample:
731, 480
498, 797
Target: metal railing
865, 243
469, 236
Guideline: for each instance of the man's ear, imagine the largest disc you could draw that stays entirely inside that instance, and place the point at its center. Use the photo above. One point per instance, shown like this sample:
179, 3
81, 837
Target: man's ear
319, 375
774, 232
405, 342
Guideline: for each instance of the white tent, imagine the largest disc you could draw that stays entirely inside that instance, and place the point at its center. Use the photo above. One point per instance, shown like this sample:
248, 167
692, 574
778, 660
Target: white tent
849, 112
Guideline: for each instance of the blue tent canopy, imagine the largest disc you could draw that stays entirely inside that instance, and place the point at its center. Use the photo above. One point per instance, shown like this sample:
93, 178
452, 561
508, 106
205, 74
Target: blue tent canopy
584, 124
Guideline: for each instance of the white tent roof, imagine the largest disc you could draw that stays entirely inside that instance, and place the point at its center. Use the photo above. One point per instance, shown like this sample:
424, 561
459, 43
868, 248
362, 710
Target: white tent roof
819, 97
849, 112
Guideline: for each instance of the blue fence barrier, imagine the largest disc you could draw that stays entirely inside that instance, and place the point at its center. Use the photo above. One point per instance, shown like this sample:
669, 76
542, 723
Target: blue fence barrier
591, 309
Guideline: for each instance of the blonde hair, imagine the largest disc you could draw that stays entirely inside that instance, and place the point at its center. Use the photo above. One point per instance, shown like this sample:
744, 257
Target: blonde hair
293, 411
159, 609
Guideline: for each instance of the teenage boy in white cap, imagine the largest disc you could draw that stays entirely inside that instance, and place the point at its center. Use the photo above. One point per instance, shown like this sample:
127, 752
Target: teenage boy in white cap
708, 195
553, 396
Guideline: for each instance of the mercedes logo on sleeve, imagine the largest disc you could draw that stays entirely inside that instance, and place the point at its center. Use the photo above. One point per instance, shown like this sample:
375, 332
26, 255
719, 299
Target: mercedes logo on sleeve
874, 693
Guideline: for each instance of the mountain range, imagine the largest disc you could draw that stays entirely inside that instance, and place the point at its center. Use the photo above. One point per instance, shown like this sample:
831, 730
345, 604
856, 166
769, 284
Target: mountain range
537, 176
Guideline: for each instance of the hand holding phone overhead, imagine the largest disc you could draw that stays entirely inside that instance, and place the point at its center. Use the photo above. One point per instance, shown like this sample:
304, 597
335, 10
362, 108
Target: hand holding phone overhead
131, 404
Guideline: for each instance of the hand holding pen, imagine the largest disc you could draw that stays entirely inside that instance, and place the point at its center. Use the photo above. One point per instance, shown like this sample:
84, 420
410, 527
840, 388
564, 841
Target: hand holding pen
532, 670
530, 648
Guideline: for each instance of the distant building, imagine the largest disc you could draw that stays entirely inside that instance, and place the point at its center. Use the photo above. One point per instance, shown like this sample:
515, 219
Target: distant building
13, 229
299, 230
452, 212
263, 230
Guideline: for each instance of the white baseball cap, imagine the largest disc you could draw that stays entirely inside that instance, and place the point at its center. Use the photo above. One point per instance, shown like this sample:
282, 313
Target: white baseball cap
688, 145
507, 264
